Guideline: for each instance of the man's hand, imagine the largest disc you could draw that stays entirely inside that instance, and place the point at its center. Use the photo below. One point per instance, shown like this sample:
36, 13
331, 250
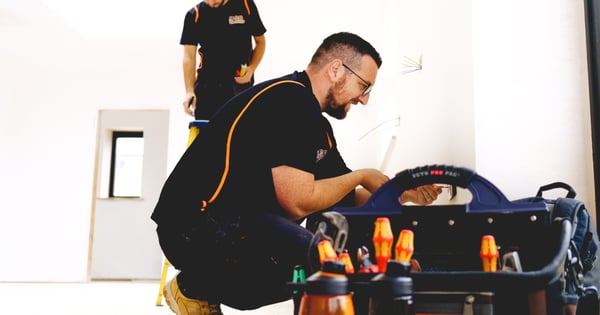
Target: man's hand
422, 195
372, 179
189, 104
244, 77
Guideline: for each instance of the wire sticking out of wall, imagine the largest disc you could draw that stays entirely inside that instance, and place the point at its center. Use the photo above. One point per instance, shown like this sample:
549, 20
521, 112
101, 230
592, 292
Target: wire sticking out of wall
390, 123
411, 65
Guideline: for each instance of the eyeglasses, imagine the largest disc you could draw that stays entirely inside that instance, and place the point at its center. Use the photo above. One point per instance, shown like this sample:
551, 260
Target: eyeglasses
367, 90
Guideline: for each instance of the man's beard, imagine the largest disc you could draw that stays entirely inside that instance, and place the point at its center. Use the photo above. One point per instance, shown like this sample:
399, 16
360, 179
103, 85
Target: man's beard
338, 113
332, 107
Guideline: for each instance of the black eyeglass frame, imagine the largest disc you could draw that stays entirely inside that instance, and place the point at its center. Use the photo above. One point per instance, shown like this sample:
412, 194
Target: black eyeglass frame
367, 90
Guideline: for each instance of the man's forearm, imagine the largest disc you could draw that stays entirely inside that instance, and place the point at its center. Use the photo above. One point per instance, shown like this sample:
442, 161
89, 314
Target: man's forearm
189, 68
300, 194
258, 52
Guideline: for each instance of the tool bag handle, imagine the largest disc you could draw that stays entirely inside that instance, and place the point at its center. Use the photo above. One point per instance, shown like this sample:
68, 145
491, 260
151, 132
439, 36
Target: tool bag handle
486, 197
570, 191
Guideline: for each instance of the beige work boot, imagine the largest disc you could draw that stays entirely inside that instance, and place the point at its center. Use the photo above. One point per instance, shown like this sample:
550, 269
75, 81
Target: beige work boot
182, 305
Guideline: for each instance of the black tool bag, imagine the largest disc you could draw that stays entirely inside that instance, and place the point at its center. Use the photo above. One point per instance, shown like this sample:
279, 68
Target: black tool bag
582, 269
447, 243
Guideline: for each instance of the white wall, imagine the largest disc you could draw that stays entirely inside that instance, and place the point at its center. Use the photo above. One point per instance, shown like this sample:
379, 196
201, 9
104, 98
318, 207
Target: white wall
532, 118
506, 98
52, 85
125, 245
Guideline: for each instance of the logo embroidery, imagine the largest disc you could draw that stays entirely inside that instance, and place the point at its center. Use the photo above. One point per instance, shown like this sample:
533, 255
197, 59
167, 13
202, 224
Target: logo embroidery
236, 19
321, 153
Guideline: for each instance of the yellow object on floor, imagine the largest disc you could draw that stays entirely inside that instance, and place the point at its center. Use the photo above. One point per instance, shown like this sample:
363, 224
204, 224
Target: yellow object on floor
194, 126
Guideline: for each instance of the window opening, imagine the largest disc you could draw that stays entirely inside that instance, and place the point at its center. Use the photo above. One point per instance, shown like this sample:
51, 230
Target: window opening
127, 160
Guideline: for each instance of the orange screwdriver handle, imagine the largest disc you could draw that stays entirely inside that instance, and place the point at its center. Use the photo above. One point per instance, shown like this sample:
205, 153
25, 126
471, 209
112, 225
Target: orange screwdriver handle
345, 258
489, 253
326, 251
383, 239
405, 246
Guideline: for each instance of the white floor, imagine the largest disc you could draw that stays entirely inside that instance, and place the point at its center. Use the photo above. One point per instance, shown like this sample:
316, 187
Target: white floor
99, 298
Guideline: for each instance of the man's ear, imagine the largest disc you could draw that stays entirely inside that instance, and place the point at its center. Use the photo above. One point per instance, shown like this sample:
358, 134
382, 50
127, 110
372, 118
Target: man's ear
334, 70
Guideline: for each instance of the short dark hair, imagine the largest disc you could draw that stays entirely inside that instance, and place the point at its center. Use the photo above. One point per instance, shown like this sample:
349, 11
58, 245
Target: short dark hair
346, 46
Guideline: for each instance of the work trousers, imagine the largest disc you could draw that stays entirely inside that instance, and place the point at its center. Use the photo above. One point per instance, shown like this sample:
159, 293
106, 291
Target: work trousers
210, 97
244, 263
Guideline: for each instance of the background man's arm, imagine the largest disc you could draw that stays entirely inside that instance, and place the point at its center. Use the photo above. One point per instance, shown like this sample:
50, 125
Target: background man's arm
189, 78
260, 45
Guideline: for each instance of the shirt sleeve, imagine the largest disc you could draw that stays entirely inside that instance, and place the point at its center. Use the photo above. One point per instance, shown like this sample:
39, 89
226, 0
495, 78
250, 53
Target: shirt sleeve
257, 27
188, 36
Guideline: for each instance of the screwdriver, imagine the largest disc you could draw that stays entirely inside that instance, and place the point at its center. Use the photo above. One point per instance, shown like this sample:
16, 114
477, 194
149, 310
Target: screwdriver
405, 246
489, 253
326, 251
345, 258
382, 240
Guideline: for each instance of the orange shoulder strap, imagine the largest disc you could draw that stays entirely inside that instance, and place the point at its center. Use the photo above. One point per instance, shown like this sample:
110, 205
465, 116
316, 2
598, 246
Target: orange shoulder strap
230, 136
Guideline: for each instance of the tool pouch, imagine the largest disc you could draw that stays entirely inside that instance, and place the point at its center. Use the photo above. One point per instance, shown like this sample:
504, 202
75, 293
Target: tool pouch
448, 238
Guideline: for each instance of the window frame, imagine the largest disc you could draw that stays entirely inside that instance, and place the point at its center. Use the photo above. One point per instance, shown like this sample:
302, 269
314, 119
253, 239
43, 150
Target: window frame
116, 134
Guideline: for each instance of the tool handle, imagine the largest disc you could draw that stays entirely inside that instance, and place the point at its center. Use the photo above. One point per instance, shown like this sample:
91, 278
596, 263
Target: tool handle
486, 196
570, 191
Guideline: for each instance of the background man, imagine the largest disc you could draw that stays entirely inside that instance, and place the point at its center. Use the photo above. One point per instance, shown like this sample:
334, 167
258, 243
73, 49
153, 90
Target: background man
222, 32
